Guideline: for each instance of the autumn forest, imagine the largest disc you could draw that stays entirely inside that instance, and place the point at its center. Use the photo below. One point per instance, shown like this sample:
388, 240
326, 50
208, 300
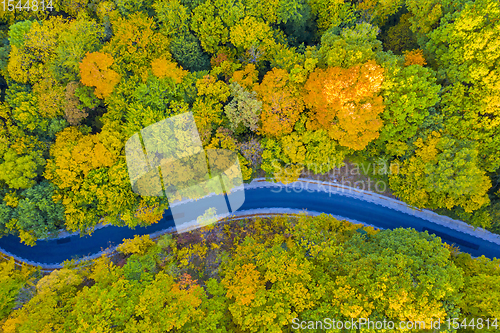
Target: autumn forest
290, 86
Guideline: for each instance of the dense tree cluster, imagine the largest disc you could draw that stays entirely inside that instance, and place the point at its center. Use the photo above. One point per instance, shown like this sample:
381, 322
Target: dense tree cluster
289, 86
253, 276
292, 84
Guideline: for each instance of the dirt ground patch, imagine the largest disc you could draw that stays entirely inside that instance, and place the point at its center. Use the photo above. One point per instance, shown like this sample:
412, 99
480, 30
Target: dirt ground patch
366, 177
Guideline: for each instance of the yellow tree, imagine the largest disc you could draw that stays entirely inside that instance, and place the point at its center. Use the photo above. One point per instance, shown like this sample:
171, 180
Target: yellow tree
207, 108
74, 158
252, 34
224, 140
281, 103
138, 244
266, 286
28, 59
330, 13
346, 103
135, 43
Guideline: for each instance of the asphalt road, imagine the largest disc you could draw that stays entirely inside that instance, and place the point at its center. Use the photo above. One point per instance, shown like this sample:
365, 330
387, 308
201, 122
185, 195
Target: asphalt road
56, 251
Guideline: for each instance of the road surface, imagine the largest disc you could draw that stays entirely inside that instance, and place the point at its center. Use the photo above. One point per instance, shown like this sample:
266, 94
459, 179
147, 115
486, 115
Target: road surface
55, 251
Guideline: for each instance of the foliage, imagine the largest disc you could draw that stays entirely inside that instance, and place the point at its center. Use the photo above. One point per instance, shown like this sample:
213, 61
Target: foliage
409, 92
252, 151
480, 275
331, 13
251, 33
72, 111
135, 43
164, 68
12, 280
81, 37
268, 272
138, 244
209, 27
458, 46
27, 62
173, 17
187, 51
426, 15
83, 167
244, 109
95, 72
281, 105
288, 86
378, 11
414, 57
18, 31
443, 172
35, 214
74, 7
400, 37
286, 158
224, 139
345, 102
353, 46
396, 263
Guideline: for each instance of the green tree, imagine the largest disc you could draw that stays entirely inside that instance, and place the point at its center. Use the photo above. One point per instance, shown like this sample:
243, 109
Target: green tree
173, 17
135, 43
49, 308
400, 37
187, 51
377, 12
157, 93
128, 7
331, 14
481, 294
27, 63
82, 35
353, 46
266, 285
251, 33
471, 104
74, 7
18, 31
244, 109
166, 305
36, 213
426, 15
443, 172
19, 171
209, 27
274, 12
397, 274
467, 118
12, 280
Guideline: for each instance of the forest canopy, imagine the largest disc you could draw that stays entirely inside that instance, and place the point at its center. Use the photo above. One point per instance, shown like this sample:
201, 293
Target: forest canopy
257, 275
284, 84
292, 88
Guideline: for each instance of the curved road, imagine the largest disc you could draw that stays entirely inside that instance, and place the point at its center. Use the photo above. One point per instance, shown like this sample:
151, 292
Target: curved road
55, 251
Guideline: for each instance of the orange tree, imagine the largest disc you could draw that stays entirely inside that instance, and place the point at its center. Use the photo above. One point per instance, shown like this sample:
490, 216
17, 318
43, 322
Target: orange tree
346, 103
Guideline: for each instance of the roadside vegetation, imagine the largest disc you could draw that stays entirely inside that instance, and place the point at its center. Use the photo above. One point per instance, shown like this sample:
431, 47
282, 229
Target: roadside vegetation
255, 275
295, 85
